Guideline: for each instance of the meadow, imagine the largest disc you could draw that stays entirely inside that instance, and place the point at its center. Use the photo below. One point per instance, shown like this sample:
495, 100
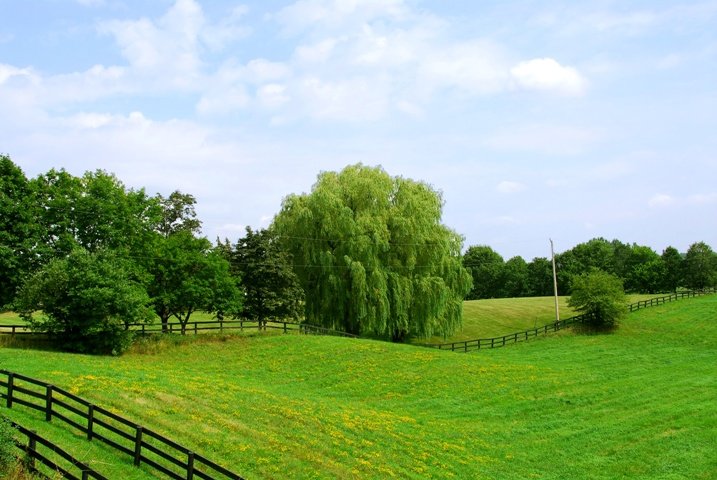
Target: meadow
636, 403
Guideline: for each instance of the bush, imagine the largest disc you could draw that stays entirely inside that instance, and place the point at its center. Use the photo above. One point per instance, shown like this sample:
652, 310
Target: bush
87, 300
599, 295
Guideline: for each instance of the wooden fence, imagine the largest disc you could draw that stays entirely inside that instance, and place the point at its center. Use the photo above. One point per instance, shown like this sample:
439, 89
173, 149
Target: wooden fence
205, 326
495, 342
483, 343
633, 307
143, 445
49, 455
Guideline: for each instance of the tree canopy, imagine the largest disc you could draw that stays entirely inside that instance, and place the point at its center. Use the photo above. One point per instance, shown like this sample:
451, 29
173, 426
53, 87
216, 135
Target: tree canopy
372, 255
601, 296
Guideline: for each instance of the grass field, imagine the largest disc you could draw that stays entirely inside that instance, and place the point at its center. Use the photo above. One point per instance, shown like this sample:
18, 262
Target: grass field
638, 403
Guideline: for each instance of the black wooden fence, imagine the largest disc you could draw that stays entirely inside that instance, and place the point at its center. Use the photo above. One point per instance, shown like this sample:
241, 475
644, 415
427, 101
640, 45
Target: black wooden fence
206, 326
653, 302
143, 445
495, 342
483, 343
39, 449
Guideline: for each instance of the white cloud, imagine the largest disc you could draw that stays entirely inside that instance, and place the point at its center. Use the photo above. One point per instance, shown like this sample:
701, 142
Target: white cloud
547, 74
510, 187
661, 200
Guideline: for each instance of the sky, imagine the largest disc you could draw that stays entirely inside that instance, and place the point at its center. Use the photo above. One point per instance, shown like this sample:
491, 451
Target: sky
540, 120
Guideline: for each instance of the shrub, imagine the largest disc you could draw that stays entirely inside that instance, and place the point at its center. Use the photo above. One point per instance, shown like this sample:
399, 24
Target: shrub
599, 295
7, 446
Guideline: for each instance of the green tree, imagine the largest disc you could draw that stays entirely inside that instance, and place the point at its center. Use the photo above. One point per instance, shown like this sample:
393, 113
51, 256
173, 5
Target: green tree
515, 278
19, 232
177, 214
372, 255
486, 269
601, 296
94, 212
673, 264
540, 277
187, 275
643, 270
87, 300
700, 266
272, 290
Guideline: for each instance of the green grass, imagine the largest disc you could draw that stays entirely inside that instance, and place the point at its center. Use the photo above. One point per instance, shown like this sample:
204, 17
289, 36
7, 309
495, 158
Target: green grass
638, 403
502, 316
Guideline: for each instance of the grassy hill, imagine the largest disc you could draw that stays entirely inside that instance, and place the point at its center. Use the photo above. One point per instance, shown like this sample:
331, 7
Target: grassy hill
638, 403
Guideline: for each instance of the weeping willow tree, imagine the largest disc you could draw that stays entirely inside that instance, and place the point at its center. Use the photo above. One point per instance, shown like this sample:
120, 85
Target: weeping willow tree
372, 255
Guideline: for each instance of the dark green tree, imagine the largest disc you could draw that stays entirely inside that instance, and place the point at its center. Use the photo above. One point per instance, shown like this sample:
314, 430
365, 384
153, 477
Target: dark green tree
540, 277
19, 232
372, 255
486, 269
188, 275
515, 278
601, 296
272, 290
643, 270
674, 269
700, 266
87, 300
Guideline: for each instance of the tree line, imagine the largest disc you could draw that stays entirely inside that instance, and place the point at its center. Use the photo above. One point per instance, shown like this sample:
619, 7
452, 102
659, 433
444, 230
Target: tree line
81, 257
641, 269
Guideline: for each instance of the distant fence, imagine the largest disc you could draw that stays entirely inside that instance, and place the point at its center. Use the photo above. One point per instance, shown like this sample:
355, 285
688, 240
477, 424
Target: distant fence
34, 453
483, 343
205, 326
143, 445
495, 342
633, 307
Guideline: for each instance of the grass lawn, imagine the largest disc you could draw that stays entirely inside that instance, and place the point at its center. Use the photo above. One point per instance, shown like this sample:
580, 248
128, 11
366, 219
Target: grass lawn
638, 403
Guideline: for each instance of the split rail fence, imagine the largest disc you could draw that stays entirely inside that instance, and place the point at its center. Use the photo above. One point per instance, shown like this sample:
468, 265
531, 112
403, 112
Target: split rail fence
483, 343
48, 456
206, 326
142, 444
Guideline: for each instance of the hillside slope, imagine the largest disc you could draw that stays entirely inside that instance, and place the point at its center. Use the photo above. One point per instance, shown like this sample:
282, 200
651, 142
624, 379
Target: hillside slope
638, 403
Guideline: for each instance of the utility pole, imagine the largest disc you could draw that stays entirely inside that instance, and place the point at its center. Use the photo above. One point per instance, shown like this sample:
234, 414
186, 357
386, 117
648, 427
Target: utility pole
555, 283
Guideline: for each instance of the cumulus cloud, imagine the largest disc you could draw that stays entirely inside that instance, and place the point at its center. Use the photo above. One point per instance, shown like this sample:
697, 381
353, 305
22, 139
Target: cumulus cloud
548, 75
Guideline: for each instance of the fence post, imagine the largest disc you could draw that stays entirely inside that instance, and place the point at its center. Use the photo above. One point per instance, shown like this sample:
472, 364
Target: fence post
85, 470
31, 450
138, 446
190, 465
48, 403
10, 388
284, 327
90, 420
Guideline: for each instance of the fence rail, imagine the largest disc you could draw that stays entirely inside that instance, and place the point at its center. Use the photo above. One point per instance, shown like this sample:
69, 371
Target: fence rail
143, 445
483, 343
652, 302
205, 326
33, 454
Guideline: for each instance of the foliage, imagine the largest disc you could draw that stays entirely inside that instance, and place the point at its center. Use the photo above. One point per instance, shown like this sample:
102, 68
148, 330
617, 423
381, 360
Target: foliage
7, 445
673, 273
177, 214
18, 229
86, 300
700, 266
486, 268
272, 290
372, 256
188, 275
599, 295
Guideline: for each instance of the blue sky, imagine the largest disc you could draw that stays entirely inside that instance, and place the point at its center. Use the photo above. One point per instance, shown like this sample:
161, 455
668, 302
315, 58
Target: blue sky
536, 120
